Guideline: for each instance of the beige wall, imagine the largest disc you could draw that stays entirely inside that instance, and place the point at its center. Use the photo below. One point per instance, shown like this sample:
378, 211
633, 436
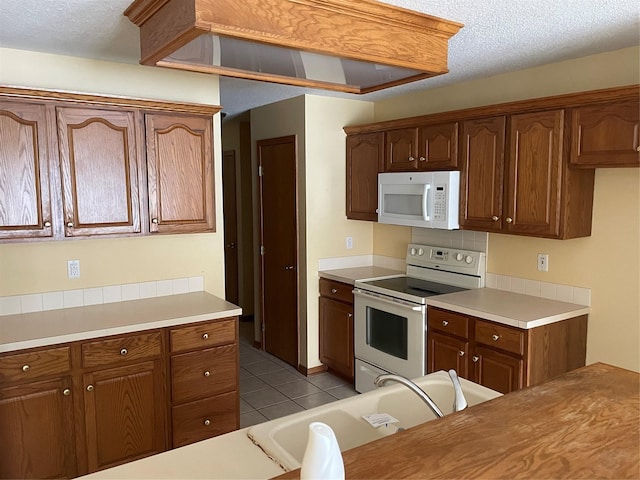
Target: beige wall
608, 262
41, 266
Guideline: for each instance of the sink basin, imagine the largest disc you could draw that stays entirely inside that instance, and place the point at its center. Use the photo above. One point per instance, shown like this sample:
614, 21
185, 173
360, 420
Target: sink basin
284, 439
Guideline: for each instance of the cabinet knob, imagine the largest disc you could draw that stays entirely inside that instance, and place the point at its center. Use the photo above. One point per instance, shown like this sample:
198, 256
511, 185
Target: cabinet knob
475, 358
349, 315
638, 148
89, 388
70, 224
205, 336
47, 223
509, 219
207, 373
334, 290
422, 159
412, 159
445, 323
207, 422
25, 368
66, 392
495, 337
154, 220
461, 353
495, 218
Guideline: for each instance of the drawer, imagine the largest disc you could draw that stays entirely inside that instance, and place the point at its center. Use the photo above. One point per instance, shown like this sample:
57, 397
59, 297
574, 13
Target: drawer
35, 364
448, 322
204, 373
205, 418
336, 290
203, 335
121, 349
500, 336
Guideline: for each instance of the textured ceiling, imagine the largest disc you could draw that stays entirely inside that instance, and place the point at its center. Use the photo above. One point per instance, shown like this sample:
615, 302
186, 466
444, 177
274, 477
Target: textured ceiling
498, 36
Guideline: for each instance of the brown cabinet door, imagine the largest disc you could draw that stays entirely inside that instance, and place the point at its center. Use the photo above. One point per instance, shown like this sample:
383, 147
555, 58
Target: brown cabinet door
100, 169
606, 135
482, 176
36, 425
180, 173
336, 336
401, 150
25, 197
535, 168
125, 414
365, 159
445, 353
500, 372
438, 147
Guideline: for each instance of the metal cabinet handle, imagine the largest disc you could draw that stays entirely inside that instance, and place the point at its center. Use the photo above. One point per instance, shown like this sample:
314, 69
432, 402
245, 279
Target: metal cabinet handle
289, 267
445, 323
412, 159
334, 290
89, 388
70, 224
349, 315
422, 159
154, 220
509, 219
495, 218
475, 358
47, 223
205, 336
207, 373
26, 368
207, 422
66, 392
124, 351
461, 353
495, 337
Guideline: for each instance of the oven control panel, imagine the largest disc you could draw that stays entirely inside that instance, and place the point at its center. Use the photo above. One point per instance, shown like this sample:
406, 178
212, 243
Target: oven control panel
445, 258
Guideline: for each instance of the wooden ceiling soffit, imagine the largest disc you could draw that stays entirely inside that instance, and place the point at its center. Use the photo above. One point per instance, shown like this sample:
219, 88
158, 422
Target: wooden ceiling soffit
355, 46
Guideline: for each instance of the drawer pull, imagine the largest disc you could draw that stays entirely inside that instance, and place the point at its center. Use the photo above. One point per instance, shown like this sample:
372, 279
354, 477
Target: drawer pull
461, 353
495, 337
89, 388
475, 358
207, 373
66, 392
205, 336
445, 323
25, 368
124, 351
334, 290
207, 422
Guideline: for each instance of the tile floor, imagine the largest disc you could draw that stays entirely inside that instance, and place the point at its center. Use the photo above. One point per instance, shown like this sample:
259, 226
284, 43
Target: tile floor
271, 388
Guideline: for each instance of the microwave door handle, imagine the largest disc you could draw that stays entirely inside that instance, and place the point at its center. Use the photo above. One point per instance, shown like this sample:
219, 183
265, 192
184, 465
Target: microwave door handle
425, 203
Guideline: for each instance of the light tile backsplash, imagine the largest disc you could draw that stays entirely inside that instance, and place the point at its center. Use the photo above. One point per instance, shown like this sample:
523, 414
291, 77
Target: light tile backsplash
37, 302
461, 239
553, 291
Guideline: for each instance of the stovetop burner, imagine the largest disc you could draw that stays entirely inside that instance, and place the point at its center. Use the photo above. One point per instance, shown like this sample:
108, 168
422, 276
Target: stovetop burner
413, 286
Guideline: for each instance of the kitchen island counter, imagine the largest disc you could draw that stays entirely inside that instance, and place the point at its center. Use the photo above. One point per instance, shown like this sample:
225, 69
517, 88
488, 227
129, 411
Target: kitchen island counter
583, 424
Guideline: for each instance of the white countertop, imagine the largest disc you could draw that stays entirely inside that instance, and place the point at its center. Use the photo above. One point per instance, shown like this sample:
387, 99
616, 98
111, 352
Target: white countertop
350, 275
50, 327
515, 309
229, 456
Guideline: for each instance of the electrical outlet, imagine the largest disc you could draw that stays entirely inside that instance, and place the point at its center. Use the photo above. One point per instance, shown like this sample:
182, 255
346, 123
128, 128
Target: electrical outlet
543, 262
349, 243
73, 269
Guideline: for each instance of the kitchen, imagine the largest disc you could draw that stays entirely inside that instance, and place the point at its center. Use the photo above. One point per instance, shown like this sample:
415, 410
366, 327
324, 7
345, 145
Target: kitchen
586, 263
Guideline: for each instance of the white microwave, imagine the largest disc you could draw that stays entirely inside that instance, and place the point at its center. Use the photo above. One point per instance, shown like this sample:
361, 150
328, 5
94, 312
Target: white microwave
419, 199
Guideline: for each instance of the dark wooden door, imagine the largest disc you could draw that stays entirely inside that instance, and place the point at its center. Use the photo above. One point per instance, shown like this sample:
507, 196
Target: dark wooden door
535, 168
125, 414
438, 146
229, 194
365, 159
482, 175
36, 430
401, 150
497, 371
445, 352
99, 165
180, 173
25, 196
336, 336
277, 159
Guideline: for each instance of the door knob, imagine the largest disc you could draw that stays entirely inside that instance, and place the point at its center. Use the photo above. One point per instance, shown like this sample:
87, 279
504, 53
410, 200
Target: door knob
231, 245
289, 267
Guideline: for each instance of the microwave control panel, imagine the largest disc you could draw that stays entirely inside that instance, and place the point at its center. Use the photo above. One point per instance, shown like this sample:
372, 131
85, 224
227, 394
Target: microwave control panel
440, 203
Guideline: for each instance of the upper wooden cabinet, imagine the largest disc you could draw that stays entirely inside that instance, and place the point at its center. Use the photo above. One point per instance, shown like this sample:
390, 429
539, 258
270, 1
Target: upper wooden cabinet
180, 173
606, 135
428, 147
365, 159
401, 150
99, 169
25, 194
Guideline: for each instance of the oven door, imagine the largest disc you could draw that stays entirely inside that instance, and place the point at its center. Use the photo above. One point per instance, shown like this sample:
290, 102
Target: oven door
389, 333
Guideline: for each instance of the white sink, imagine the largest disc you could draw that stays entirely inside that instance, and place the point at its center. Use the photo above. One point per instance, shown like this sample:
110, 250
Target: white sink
284, 439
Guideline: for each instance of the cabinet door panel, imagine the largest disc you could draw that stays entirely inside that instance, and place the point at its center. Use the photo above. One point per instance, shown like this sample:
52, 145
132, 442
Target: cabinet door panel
482, 176
365, 159
438, 147
99, 165
497, 371
445, 353
180, 171
336, 336
25, 199
36, 425
401, 150
125, 413
535, 173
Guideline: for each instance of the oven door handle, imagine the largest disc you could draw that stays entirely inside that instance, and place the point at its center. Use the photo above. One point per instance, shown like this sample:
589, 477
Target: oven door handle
384, 299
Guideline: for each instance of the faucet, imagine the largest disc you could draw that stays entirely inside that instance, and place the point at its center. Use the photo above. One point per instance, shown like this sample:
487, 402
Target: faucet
459, 403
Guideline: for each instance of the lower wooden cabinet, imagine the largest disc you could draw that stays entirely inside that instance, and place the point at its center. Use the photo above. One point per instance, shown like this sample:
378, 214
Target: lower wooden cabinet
502, 357
336, 327
80, 407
